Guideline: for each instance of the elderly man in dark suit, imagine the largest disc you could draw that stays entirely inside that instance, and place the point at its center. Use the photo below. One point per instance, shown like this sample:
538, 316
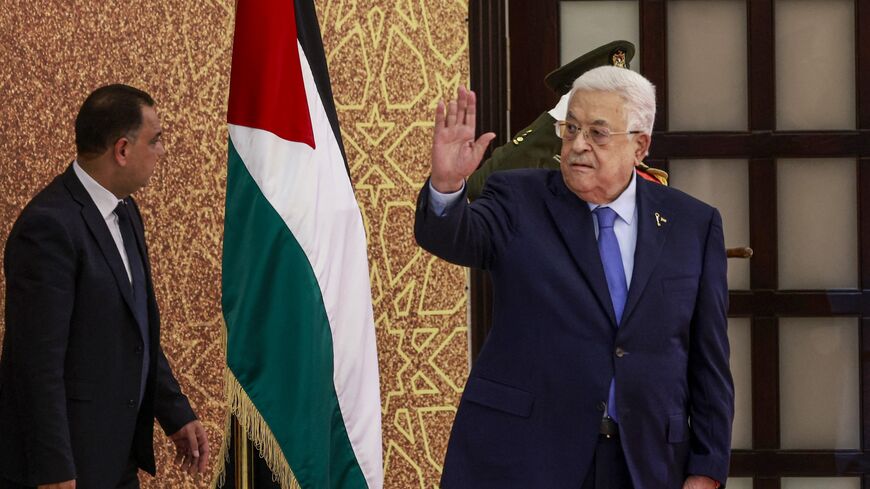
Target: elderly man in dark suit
601, 371
82, 374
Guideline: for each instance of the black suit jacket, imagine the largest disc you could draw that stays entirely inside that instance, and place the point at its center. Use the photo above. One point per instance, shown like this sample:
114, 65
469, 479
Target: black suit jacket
71, 366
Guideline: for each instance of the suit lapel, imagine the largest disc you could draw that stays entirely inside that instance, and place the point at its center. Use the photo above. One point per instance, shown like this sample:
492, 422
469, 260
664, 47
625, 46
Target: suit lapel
651, 236
100, 231
574, 222
139, 235
139, 232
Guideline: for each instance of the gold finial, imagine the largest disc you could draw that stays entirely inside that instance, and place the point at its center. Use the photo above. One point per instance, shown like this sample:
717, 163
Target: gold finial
618, 59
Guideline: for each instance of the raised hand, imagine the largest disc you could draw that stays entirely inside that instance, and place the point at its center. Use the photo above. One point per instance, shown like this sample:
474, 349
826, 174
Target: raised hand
455, 153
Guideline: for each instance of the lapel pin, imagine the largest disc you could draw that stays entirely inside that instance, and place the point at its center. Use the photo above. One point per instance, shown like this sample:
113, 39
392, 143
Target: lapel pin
660, 219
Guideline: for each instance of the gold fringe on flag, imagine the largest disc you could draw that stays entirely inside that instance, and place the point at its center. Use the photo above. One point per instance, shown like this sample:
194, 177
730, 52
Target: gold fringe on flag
220, 474
252, 423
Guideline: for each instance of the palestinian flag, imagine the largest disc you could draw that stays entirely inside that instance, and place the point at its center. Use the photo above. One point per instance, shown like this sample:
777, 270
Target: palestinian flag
302, 371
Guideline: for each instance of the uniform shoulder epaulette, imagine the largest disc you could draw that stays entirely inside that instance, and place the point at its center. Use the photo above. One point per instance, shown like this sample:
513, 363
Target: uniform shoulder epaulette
521, 137
660, 175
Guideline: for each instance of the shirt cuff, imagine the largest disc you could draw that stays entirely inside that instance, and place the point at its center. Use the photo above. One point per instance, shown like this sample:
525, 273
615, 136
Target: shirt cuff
439, 202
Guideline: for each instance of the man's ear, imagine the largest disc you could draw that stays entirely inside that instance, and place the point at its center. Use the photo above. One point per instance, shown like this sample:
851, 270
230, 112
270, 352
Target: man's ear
120, 150
642, 143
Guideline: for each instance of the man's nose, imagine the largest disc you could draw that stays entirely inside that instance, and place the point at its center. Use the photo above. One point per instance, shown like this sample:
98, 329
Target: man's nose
580, 144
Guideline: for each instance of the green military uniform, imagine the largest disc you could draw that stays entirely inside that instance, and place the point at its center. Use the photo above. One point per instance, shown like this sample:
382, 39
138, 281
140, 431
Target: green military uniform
533, 147
538, 146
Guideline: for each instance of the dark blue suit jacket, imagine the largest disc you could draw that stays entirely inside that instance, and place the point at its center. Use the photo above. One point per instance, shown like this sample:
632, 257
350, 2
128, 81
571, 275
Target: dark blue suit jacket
532, 405
71, 367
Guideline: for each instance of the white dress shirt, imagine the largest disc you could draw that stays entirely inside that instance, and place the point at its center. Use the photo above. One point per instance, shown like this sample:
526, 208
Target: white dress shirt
625, 227
440, 202
106, 203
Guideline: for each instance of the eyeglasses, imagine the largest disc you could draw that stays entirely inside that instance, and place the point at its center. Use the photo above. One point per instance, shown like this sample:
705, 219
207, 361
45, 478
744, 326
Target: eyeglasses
598, 135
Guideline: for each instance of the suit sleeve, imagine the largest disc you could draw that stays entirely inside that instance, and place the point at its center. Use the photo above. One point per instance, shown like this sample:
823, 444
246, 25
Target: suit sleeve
171, 407
40, 265
711, 389
466, 234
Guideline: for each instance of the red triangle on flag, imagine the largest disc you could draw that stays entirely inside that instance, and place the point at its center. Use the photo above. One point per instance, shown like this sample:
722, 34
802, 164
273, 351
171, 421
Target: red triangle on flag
266, 86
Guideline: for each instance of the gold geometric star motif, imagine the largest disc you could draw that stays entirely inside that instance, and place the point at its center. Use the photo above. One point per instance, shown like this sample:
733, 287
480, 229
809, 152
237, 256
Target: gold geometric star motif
375, 128
446, 88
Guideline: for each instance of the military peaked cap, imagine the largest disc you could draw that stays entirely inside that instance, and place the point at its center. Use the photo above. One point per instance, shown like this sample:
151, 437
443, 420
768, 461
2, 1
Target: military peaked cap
616, 53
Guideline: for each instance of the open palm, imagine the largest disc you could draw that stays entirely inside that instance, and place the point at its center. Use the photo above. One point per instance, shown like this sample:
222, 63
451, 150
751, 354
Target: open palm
455, 153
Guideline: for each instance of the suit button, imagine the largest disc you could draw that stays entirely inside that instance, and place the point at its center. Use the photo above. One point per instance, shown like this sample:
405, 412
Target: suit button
601, 406
131, 403
619, 352
139, 349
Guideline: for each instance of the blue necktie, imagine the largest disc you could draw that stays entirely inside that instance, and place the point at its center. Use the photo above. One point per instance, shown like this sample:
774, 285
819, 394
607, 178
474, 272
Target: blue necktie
611, 259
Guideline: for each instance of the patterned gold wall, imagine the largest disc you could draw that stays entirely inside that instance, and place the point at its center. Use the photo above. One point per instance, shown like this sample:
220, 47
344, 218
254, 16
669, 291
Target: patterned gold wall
390, 62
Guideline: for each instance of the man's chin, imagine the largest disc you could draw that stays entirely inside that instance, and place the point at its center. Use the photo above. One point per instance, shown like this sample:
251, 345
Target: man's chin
579, 177
580, 186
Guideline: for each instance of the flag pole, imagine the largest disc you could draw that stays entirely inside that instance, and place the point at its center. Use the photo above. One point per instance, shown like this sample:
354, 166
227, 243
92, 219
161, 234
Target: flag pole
242, 458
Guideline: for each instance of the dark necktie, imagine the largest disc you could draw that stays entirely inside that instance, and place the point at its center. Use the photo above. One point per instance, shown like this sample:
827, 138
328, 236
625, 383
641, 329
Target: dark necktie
611, 259
140, 292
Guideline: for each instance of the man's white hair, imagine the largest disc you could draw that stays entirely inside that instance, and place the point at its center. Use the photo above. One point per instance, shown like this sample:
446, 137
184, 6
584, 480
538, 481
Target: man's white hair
639, 94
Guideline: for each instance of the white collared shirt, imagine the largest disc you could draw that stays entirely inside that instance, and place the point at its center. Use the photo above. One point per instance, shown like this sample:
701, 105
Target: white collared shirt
440, 202
106, 203
625, 228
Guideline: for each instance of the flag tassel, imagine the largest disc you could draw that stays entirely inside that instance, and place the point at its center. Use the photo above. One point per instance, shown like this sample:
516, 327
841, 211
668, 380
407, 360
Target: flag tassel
220, 474
252, 423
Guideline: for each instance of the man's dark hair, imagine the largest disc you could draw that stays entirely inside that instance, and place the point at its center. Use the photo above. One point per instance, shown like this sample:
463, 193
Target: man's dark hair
109, 113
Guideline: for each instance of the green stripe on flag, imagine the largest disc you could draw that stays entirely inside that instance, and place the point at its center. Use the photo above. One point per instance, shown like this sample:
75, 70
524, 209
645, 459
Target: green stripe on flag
279, 343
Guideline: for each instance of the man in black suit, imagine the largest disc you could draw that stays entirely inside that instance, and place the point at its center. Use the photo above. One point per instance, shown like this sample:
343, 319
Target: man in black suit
82, 374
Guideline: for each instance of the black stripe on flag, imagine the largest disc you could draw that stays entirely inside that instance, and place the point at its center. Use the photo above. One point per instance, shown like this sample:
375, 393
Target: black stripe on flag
308, 30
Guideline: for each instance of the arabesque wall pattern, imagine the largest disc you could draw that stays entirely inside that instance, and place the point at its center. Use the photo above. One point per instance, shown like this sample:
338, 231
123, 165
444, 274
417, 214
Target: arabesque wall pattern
390, 61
